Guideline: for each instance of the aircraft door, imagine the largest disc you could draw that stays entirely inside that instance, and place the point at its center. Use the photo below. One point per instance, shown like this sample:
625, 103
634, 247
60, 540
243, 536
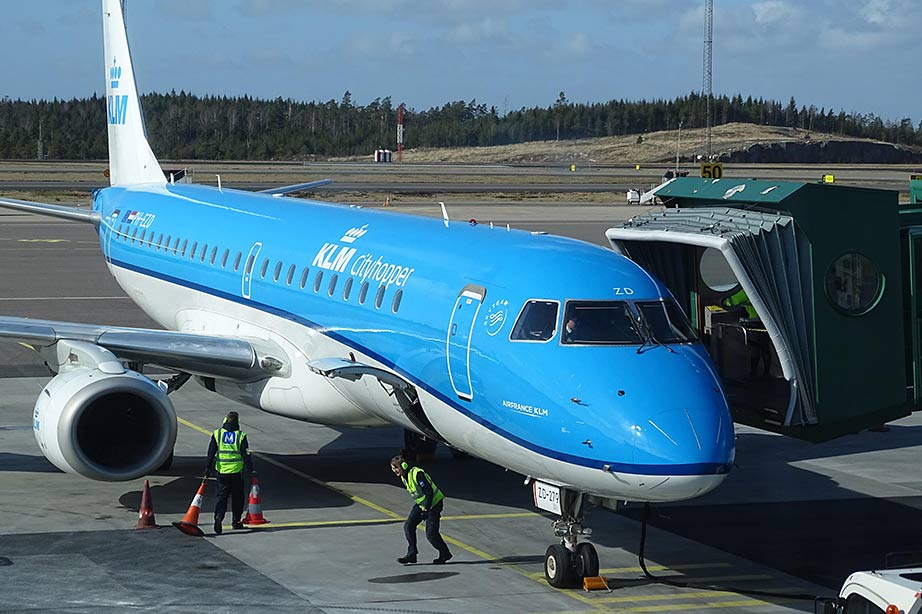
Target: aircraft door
458, 342
247, 279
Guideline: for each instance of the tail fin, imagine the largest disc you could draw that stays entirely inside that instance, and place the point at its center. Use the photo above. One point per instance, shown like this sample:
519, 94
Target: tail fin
131, 160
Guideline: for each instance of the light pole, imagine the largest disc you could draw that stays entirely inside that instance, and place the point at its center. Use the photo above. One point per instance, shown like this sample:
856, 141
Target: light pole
678, 140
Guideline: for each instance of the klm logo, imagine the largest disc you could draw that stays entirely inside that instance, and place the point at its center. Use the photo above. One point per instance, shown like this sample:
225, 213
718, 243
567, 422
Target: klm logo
329, 258
118, 109
115, 73
354, 233
118, 105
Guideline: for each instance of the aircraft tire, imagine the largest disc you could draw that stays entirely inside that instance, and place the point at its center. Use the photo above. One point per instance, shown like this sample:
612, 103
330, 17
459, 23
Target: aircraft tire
587, 561
558, 566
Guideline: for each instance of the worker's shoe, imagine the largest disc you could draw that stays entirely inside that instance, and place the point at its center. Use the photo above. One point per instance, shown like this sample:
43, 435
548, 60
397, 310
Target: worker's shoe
237, 525
218, 529
406, 560
443, 558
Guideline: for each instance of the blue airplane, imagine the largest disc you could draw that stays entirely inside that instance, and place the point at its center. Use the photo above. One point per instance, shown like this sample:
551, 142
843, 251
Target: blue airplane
554, 358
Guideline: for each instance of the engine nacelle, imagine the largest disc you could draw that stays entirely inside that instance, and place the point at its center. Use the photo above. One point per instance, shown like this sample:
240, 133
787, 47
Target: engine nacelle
104, 426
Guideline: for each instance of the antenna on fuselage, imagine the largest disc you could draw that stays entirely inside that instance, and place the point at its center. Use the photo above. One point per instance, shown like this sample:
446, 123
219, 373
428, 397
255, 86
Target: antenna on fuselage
444, 214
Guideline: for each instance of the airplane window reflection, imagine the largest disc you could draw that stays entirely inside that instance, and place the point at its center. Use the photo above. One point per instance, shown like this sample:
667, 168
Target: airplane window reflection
667, 322
600, 323
537, 322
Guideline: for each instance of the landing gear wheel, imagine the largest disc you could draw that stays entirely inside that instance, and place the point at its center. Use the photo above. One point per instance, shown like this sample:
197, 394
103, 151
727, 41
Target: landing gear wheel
558, 566
587, 561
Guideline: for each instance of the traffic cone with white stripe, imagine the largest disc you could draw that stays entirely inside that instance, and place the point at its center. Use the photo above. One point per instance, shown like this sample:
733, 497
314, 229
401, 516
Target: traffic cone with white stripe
254, 508
146, 518
189, 522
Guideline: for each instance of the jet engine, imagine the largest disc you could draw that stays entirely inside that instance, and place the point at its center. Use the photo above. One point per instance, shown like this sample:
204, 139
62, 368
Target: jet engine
104, 426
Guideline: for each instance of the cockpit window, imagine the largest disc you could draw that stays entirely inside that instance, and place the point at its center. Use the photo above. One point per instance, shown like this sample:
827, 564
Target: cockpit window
666, 322
537, 322
599, 323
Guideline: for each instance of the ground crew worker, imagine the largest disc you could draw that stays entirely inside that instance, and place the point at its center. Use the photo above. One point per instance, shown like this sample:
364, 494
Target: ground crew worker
740, 300
229, 445
427, 505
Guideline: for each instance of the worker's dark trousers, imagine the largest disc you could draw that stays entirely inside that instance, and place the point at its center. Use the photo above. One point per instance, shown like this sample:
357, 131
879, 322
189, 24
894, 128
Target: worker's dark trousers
433, 519
229, 485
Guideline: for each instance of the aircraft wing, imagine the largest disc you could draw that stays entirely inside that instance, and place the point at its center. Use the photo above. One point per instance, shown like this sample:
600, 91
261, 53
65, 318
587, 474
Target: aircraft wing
67, 213
298, 187
211, 356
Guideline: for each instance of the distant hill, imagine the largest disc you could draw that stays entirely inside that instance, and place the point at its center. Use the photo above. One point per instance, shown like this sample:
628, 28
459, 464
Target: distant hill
736, 142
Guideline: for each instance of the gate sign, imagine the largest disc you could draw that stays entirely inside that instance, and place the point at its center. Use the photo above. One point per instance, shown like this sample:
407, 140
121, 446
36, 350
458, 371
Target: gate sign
712, 170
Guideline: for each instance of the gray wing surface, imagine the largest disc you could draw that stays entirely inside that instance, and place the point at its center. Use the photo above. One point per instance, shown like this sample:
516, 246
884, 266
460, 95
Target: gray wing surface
224, 357
67, 213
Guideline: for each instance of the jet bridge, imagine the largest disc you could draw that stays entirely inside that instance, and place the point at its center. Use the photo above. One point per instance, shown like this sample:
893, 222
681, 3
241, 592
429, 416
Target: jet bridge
797, 291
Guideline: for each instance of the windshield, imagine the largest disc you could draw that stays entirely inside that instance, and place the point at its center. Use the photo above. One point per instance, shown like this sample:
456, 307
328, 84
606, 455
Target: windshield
666, 321
600, 323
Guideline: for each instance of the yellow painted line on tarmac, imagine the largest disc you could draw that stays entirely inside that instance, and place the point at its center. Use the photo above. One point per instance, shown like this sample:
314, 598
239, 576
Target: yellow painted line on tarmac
43, 240
663, 597
492, 516
739, 603
651, 568
333, 523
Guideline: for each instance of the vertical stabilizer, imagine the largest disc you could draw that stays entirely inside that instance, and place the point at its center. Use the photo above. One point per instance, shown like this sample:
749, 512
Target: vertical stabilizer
131, 160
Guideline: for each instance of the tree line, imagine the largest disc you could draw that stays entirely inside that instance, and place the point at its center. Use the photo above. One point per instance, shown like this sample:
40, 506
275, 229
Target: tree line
186, 126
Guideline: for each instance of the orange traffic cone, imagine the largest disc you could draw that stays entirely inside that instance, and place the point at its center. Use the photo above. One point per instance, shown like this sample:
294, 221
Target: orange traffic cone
254, 509
189, 522
146, 515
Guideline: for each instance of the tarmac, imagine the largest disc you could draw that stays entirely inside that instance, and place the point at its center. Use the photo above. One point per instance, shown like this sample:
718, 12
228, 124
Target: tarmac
792, 518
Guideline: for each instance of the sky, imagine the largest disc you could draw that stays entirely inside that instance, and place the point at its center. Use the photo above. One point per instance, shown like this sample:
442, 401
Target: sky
861, 56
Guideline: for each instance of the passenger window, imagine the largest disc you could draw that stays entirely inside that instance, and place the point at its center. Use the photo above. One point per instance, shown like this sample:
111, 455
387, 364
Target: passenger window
204, 253
134, 235
396, 304
194, 247
332, 287
304, 276
278, 271
317, 281
362, 292
264, 268
182, 252
347, 289
251, 259
120, 228
237, 261
224, 257
214, 252
176, 246
141, 238
291, 275
159, 241
536, 322
379, 297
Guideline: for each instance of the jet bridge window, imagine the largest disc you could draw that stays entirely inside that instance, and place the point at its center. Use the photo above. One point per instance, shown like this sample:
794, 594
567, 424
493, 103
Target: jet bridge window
854, 284
666, 322
536, 322
599, 323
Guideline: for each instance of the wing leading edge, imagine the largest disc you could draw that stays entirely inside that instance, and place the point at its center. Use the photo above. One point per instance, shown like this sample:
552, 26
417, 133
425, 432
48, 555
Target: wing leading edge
223, 357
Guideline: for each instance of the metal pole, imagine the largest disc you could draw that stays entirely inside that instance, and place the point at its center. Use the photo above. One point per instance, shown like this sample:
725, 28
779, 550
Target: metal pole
678, 140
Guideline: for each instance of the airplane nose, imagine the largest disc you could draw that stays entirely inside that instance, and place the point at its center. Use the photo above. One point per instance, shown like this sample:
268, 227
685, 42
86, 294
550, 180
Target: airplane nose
695, 438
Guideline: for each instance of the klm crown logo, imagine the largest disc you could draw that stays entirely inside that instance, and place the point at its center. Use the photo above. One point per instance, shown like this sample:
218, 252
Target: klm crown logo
117, 105
115, 73
354, 233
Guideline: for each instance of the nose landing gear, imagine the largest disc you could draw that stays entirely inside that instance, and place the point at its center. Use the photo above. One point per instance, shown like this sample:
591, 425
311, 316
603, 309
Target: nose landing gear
567, 563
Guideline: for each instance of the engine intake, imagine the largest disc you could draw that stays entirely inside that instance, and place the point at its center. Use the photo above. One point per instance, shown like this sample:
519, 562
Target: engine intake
104, 426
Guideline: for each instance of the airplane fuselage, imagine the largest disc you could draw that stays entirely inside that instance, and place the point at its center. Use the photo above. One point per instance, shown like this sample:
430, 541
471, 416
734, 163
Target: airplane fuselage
444, 306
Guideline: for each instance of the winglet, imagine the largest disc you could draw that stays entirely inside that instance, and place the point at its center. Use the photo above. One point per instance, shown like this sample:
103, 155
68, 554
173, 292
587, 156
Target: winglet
131, 160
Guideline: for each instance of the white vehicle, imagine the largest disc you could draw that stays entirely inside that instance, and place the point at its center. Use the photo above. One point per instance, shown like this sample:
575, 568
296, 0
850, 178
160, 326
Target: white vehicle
889, 591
